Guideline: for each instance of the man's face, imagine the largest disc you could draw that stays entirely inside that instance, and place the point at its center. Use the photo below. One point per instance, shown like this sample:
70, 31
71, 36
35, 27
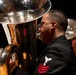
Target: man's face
45, 28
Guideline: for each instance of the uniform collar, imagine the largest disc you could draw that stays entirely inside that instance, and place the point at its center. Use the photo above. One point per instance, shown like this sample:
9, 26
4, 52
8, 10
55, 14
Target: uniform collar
58, 39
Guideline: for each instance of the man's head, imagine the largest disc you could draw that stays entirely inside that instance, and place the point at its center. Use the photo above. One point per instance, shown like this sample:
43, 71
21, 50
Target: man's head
53, 24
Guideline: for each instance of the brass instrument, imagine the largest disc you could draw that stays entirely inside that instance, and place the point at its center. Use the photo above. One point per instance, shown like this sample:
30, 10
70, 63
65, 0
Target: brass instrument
71, 29
20, 17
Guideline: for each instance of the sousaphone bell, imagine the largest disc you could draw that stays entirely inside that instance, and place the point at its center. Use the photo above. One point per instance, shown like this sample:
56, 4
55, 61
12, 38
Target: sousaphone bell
20, 17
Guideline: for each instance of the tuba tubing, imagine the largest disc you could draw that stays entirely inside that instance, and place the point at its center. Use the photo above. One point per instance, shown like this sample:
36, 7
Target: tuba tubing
3, 59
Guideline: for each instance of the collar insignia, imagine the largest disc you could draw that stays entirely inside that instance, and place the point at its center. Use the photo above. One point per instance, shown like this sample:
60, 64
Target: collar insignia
46, 60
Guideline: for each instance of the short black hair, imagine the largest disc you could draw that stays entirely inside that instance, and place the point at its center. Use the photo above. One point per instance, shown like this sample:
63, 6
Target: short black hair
60, 17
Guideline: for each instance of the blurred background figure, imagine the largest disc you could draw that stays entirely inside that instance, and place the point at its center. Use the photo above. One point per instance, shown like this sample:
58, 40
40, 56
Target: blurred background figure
71, 32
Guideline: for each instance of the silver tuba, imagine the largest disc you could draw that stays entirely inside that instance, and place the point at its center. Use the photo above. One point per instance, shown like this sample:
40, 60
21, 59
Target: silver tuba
19, 20
71, 29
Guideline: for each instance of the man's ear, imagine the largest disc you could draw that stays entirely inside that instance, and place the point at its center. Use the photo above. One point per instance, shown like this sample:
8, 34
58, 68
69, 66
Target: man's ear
54, 23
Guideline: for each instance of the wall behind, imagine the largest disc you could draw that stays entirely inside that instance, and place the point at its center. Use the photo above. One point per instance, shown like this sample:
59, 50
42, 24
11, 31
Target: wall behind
68, 6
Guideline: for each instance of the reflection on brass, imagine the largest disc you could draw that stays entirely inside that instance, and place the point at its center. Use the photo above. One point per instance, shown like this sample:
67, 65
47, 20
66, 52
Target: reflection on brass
3, 70
5, 53
21, 18
4, 59
71, 29
12, 31
24, 55
22, 15
8, 8
15, 5
15, 58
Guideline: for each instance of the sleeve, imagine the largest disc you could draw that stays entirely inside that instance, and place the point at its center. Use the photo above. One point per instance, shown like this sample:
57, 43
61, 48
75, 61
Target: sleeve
51, 62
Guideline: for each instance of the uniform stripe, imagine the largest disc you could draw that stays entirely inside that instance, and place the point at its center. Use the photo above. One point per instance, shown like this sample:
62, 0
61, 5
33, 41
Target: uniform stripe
42, 69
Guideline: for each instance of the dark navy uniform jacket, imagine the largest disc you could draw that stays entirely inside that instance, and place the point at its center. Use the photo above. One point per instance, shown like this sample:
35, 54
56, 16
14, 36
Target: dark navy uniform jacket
56, 59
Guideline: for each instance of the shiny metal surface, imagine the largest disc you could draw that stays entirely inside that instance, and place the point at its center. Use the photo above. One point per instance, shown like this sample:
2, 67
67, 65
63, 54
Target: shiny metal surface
4, 57
5, 53
18, 5
21, 16
71, 29
16, 17
3, 70
24, 35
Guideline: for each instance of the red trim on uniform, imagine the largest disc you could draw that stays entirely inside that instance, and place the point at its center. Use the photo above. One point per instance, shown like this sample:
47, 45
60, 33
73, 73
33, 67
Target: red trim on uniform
42, 69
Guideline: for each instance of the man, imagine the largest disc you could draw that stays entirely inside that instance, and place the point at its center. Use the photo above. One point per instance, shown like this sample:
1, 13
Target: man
58, 57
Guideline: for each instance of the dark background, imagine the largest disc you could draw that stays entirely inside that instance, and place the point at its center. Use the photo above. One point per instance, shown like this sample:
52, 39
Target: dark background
68, 6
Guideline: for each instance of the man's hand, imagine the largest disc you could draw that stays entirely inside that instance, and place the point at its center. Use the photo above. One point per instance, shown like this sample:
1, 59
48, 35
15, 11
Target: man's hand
13, 62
